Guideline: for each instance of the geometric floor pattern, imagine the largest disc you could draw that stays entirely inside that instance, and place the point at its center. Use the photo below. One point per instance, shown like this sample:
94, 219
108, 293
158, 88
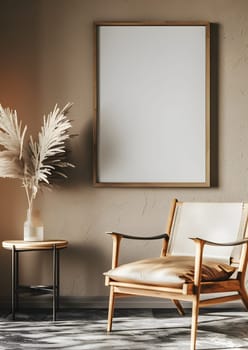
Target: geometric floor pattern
133, 329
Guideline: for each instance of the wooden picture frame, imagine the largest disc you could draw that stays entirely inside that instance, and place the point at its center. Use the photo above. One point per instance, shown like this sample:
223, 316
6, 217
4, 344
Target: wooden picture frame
152, 104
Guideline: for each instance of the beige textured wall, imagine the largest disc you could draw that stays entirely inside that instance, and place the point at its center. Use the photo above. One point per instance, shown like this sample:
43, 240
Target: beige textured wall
46, 56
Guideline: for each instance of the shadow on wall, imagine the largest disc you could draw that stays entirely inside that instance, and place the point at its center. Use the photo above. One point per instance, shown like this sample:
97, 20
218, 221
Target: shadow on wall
87, 263
84, 153
20, 63
80, 154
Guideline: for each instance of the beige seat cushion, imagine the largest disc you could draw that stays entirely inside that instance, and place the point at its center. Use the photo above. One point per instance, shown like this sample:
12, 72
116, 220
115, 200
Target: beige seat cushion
169, 271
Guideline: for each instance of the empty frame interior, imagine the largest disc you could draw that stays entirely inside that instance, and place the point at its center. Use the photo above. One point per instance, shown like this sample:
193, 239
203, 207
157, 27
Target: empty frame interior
152, 105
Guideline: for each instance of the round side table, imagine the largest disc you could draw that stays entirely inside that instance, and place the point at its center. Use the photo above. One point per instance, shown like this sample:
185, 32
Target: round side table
18, 247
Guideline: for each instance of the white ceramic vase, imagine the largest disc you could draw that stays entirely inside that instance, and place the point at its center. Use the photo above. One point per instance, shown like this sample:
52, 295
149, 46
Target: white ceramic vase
33, 226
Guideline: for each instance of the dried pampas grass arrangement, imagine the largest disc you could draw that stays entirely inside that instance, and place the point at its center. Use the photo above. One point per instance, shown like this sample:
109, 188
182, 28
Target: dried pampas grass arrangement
34, 162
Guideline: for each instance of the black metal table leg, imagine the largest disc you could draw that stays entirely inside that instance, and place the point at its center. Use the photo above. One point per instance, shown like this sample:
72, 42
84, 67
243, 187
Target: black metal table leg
58, 280
13, 281
17, 279
55, 263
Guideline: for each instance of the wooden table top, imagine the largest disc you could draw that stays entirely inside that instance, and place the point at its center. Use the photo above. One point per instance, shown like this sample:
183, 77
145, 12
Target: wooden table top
32, 245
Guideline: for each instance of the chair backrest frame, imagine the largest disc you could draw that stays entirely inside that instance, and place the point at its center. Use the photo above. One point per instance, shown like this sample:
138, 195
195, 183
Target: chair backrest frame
223, 222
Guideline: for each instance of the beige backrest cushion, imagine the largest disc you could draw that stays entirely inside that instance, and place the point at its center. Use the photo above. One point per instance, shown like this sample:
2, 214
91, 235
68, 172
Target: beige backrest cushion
219, 222
169, 271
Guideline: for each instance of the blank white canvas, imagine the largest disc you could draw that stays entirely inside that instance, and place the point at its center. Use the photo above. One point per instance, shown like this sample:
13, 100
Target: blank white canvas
151, 104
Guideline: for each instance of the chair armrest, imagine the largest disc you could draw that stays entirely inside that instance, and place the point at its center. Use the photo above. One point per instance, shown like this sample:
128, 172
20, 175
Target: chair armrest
122, 235
200, 244
117, 237
245, 240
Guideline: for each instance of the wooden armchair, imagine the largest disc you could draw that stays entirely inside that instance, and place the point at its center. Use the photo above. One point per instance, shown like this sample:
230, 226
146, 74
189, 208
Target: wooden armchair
186, 267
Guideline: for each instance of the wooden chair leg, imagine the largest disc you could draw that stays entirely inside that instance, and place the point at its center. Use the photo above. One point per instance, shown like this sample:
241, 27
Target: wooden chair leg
111, 308
244, 297
194, 324
179, 307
